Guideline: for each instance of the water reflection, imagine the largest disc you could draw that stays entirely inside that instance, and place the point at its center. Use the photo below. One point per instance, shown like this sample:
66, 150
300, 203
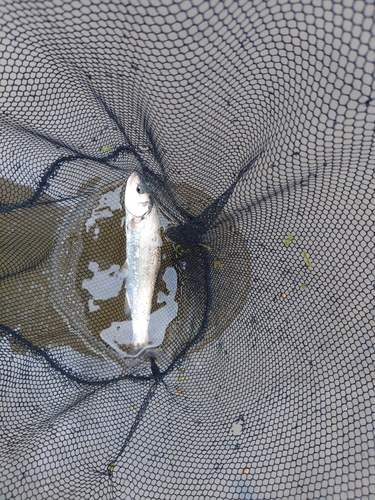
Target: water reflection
104, 284
107, 204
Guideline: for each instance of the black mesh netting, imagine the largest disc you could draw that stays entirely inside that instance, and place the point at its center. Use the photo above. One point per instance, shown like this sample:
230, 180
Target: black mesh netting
252, 123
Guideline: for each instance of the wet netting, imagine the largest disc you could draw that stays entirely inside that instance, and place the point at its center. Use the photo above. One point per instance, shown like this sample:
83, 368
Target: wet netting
252, 125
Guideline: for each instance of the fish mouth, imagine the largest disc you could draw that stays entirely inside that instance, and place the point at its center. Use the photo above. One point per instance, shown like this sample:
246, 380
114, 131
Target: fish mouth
134, 177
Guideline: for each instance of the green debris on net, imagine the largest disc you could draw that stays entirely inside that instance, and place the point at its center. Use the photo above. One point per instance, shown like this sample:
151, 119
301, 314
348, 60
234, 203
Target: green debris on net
306, 258
288, 240
106, 149
207, 247
303, 286
177, 249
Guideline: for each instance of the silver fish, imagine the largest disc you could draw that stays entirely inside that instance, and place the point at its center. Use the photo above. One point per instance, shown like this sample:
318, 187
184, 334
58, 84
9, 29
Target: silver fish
143, 256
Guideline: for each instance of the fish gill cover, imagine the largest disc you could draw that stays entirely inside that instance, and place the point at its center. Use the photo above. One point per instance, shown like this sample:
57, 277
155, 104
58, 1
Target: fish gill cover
252, 125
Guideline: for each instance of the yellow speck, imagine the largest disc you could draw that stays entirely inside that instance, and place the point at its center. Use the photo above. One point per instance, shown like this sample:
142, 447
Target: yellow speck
288, 240
111, 467
246, 470
303, 286
306, 258
181, 377
207, 247
134, 407
158, 403
218, 264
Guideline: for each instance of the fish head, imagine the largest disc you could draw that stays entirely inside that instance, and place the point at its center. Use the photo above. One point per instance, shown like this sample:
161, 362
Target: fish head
138, 200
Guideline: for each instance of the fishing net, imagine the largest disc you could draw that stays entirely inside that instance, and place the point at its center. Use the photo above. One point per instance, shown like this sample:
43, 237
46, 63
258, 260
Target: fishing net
252, 124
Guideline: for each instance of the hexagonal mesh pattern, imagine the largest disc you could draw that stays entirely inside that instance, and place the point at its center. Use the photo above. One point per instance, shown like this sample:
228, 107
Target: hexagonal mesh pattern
253, 124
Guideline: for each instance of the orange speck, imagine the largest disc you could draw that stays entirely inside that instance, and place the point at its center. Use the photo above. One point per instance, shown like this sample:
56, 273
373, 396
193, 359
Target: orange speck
246, 470
180, 391
282, 295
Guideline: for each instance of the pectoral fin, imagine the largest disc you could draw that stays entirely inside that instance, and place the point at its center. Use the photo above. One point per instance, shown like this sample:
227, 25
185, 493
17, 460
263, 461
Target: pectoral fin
124, 271
127, 309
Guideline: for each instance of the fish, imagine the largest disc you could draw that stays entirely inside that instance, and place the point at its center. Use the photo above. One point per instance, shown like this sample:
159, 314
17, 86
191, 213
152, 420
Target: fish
143, 256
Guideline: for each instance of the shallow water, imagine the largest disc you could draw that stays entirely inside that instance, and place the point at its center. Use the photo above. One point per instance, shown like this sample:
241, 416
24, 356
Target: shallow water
75, 297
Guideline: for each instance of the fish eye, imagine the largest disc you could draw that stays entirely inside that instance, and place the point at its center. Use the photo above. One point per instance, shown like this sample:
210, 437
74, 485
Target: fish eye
140, 189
